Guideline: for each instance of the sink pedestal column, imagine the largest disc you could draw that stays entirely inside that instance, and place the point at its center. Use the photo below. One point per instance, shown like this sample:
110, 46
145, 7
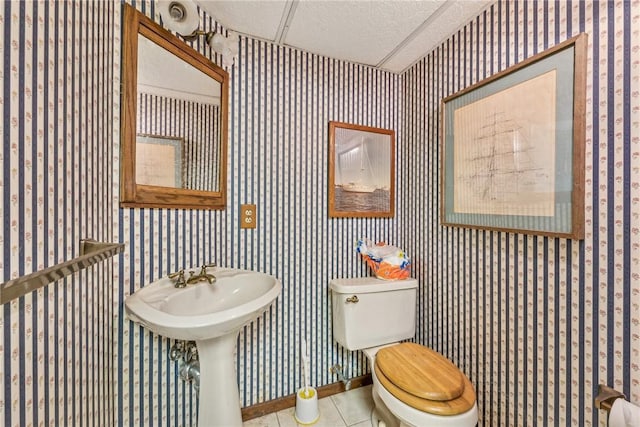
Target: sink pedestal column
219, 401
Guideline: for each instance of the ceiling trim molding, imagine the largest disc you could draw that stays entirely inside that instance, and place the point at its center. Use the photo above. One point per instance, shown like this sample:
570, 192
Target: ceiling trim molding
285, 22
433, 17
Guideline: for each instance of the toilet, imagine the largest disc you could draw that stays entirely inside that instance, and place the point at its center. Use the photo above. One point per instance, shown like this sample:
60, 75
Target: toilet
412, 384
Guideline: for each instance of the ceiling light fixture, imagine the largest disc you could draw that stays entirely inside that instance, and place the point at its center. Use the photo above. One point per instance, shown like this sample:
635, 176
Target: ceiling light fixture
182, 17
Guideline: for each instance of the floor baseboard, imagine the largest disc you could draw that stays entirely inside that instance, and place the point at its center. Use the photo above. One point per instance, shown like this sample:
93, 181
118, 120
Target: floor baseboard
275, 405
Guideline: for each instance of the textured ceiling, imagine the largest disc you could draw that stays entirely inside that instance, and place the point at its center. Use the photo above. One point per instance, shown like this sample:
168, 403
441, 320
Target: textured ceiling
389, 34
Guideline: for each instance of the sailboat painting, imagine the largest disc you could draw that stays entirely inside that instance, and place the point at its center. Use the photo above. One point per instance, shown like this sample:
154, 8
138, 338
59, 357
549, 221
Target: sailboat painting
504, 151
359, 179
360, 171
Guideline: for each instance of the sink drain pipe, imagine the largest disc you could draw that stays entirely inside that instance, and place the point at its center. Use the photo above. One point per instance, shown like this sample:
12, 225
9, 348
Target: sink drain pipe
186, 354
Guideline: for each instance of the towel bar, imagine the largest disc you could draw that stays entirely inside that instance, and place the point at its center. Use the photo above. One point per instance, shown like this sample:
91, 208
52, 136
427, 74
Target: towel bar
606, 396
91, 252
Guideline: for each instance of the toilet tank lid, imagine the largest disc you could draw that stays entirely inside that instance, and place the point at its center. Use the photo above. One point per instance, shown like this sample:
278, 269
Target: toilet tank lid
370, 284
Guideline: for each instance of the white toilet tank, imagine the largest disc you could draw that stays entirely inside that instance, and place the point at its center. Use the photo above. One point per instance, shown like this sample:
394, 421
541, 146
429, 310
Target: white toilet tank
368, 312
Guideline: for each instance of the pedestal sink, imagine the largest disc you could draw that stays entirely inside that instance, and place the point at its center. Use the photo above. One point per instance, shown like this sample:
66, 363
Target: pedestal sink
212, 316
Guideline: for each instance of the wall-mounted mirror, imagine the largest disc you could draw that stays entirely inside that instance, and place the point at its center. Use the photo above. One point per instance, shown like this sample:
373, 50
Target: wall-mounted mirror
174, 121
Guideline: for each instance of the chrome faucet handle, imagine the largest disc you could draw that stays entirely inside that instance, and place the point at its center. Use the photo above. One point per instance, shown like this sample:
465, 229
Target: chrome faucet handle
179, 275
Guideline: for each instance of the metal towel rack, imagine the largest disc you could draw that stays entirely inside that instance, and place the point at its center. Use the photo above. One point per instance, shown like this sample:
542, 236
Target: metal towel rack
606, 396
91, 252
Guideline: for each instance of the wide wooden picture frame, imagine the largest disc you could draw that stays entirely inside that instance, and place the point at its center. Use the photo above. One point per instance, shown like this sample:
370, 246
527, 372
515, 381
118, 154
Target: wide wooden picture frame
512, 147
361, 171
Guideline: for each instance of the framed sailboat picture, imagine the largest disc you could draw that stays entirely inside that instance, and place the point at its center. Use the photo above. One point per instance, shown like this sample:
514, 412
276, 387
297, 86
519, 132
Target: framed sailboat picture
361, 171
513, 147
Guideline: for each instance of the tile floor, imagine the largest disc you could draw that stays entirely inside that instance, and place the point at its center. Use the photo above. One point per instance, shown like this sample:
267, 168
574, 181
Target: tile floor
349, 409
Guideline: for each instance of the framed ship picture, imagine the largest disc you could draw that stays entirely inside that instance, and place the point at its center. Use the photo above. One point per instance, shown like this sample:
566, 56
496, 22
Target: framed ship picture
361, 171
513, 147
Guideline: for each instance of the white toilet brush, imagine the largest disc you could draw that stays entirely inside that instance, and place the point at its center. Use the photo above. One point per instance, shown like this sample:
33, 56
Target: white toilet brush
307, 398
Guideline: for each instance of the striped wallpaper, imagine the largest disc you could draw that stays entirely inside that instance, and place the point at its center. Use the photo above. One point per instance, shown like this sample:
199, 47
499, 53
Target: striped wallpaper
196, 124
281, 101
535, 322
56, 344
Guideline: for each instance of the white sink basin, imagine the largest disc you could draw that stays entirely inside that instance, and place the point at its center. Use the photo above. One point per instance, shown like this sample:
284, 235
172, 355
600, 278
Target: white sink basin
201, 311
211, 314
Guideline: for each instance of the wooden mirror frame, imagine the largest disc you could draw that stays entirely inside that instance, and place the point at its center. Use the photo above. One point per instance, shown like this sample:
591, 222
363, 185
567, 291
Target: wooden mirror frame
149, 196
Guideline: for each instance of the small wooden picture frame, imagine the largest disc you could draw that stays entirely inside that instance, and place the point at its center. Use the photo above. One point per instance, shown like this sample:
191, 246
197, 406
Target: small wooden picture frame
361, 171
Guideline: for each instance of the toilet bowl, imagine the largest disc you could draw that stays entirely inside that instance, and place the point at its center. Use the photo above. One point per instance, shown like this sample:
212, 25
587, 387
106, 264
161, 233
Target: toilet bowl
412, 384
398, 407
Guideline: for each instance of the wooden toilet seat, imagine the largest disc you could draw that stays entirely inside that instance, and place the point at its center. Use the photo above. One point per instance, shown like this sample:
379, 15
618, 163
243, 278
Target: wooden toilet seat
424, 379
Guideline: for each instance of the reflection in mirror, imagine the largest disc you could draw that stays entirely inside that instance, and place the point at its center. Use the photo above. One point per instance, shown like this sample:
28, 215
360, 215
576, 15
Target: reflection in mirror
159, 161
174, 122
177, 101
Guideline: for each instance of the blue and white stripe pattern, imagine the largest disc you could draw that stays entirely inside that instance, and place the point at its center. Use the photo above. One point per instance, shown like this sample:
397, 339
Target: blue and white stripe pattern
196, 124
535, 322
57, 80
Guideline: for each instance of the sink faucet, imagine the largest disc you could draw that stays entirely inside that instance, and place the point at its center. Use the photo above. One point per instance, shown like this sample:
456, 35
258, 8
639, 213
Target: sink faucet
202, 276
180, 280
